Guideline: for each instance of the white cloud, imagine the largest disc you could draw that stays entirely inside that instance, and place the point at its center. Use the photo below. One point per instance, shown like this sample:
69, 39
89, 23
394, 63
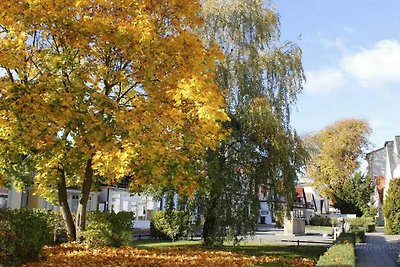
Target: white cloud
376, 67
325, 80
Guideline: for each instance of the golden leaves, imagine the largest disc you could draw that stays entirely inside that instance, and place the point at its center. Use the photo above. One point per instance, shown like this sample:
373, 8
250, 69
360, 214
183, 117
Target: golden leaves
125, 82
73, 254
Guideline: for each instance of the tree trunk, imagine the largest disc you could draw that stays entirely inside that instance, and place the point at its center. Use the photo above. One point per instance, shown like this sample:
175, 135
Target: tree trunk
85, 192
209, 228
66, 212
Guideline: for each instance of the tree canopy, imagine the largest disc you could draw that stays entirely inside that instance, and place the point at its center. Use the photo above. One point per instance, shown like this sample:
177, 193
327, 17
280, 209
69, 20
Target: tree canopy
104, 91
260, 78
335, 153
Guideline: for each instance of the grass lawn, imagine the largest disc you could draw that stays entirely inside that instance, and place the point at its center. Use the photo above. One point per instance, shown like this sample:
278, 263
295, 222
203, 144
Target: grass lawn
321, 229
181, 253
285, 254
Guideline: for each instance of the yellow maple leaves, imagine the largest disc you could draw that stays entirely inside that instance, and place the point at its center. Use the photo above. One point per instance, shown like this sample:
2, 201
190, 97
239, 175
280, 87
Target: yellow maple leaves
127, 84
73, 254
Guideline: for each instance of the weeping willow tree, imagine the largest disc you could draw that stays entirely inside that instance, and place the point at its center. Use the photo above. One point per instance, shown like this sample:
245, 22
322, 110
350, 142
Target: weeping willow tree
261, 79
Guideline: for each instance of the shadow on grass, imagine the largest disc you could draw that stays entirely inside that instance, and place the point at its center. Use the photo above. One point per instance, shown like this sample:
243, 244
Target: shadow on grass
281, 251
287, 252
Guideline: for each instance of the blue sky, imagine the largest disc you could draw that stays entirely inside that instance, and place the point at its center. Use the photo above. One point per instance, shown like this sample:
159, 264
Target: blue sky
351, 57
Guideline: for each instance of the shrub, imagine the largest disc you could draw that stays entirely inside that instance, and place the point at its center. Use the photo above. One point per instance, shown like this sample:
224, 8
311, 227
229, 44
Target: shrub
391, 208
108, 229
342, 253
359, 235
319, 220
169, 225
23, 233
367, 223
58, 227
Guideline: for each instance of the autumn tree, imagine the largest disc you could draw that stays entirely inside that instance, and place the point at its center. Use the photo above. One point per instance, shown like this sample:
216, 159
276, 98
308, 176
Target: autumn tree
336, 152
260, 78
100, 91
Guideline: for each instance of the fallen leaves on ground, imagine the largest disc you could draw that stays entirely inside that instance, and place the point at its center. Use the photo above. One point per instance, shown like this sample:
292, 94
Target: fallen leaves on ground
73, 254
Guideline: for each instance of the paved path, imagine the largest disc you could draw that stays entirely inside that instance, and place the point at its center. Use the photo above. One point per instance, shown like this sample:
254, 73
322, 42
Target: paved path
379, 251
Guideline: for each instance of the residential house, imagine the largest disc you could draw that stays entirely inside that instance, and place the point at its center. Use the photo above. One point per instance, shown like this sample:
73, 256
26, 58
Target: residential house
108, 199
383, 166
266, 216
310, 198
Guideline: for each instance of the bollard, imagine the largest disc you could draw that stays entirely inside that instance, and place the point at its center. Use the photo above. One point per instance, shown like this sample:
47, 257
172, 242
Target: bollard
298, 243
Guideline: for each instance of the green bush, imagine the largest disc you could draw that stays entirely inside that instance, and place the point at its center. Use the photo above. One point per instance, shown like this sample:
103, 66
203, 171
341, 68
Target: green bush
169, 225
319, 220
391, 208
359, 235
342, 253
367, 223
23, 233
370, 228
58, 227
109, 229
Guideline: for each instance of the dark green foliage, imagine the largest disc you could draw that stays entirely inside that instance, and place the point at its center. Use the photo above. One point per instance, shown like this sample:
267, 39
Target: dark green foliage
354, 195
342, 253
169, 224
109, 229
23, 233
370, 228
391, 208
58, 227
319, 220
359, 235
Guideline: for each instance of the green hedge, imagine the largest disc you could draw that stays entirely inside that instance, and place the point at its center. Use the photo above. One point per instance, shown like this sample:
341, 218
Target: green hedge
346, 238
23, 233
367, 223
342, 253
109, 229
359, 235
319, 220
391, 208
169, 225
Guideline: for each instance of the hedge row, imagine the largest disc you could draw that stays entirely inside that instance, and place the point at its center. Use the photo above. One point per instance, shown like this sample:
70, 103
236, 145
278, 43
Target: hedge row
319, 220
367, 223
391, 208
342, 253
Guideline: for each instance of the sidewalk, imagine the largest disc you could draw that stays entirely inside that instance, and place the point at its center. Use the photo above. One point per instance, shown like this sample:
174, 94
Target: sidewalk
379, 250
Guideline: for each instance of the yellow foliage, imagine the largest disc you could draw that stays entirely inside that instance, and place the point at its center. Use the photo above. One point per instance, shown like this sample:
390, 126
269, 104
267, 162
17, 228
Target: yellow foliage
125, 83
73, 254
